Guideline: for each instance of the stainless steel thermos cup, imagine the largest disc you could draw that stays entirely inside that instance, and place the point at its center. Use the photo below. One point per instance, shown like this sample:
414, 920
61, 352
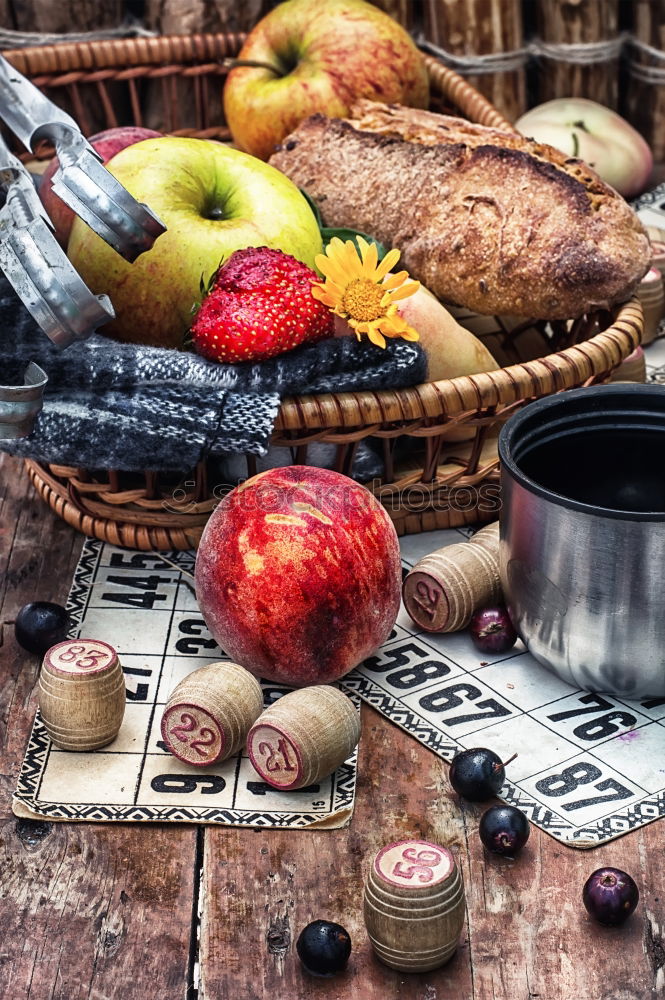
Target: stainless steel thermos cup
582, 550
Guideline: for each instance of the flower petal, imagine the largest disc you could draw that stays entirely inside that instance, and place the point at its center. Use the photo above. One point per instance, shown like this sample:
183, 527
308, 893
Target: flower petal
387, 263
322, 294
352, 261
403, 292
396, 326
332, 287
394, 280
376, 337
398, 323
336, 246
332, 268
370, 261
364, 246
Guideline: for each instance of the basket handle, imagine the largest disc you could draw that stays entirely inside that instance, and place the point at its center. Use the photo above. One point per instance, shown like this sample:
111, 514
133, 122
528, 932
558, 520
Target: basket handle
460, 93
125, 53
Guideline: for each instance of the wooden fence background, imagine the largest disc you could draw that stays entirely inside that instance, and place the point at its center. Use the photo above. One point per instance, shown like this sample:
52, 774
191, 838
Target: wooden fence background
612, 51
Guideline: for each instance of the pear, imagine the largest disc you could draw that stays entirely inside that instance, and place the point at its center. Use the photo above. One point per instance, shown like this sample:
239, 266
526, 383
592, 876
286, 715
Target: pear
451, 350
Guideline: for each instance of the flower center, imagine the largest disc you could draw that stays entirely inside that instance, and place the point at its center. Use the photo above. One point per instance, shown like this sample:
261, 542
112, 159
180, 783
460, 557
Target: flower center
362, 300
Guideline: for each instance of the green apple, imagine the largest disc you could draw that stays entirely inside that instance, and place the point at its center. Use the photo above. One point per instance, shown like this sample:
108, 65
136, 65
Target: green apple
595, 134
318, 56
213, 200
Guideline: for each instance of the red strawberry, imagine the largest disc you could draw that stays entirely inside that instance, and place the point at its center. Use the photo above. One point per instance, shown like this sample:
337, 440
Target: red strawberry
260, 304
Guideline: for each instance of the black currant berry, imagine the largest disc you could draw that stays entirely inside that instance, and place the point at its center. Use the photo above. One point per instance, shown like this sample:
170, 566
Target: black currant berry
503, 829
610, 895
323, 947
477, 774
40, 625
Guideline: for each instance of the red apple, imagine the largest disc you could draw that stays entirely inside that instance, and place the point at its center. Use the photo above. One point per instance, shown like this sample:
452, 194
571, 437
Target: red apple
324, 56
298, 575
107, 144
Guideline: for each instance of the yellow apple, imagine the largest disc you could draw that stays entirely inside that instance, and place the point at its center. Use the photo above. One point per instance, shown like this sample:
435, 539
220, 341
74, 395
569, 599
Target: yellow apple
213, 200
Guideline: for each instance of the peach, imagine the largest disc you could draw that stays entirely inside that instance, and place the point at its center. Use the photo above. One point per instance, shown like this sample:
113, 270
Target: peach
298, 575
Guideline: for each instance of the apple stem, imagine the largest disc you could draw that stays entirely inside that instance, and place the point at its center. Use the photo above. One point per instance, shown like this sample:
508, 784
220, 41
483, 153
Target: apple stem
232, 63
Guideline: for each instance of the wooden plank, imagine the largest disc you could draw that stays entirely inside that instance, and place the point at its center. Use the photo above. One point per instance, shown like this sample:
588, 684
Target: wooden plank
470, 28
531, 936
175, 17
260, 889
95, 912
574, 22
527, 934
643, 102
66, 15
86, 910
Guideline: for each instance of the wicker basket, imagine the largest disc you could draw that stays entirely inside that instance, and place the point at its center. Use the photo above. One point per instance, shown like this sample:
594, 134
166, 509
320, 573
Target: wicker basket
432, 479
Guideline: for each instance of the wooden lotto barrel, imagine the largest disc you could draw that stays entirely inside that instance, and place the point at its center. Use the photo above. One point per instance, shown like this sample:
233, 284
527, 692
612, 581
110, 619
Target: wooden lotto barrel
210, 712
81, 694
414, 905
304, 736
445, 587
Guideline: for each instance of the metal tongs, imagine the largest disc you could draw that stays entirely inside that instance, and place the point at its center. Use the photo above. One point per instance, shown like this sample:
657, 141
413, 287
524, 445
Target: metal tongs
82, 182
37, 267
31, 258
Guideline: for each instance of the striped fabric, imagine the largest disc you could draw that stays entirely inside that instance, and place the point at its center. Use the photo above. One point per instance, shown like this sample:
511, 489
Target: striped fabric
109, 405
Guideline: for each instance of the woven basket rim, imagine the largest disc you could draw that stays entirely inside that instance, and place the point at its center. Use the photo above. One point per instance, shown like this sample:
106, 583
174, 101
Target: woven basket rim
485, 399
550, 373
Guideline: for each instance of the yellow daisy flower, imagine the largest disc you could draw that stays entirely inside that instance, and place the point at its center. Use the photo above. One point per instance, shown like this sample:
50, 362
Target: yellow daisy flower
359, 289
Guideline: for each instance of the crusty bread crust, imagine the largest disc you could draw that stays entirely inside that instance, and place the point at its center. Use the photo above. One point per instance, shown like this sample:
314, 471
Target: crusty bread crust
485, 219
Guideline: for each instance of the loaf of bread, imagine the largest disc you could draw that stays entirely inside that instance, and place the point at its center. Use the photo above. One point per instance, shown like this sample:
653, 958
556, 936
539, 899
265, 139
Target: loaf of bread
485, 219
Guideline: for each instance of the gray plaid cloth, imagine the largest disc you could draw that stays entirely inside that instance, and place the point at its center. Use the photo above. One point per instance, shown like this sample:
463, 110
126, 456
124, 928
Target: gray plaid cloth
109, 405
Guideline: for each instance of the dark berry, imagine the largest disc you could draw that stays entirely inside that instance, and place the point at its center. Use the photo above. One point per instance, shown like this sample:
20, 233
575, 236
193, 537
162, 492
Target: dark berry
503, 829
40, 625
610, 895
477, 774
492, 630
323, 947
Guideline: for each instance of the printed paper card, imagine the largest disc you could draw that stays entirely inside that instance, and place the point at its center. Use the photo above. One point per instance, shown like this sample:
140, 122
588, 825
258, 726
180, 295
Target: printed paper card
146, 609
589, 767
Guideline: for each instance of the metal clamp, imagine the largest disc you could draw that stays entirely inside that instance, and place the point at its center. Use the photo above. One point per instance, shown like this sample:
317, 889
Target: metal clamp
20, 404
81, 181
37, 267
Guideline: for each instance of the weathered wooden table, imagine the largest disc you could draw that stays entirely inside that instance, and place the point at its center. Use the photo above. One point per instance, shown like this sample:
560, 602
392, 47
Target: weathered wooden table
110, 911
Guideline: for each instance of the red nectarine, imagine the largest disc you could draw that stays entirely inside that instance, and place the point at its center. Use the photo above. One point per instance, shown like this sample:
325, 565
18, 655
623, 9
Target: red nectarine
298, 575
